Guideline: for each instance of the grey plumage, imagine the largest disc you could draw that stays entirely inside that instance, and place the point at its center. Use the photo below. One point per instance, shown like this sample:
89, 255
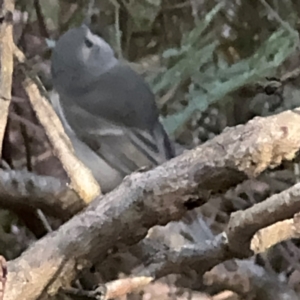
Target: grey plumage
107, 109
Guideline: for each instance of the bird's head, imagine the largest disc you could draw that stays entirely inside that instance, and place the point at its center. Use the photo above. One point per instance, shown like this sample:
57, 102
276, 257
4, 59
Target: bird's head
79, 58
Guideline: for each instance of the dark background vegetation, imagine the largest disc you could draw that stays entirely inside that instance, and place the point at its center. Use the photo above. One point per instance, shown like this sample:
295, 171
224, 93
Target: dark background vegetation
203, 59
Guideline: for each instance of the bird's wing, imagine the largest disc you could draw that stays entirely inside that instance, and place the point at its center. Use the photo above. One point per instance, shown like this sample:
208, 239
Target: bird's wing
122, 98
112, 142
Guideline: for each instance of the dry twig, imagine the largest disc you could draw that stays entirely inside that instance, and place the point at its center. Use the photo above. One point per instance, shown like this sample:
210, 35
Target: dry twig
112, 289
250, 281
281, 231
6, 62
82, 180
244, 224
23, 189
3, 276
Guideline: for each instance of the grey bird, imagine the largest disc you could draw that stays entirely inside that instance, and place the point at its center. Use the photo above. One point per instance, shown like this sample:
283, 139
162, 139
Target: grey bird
107, 109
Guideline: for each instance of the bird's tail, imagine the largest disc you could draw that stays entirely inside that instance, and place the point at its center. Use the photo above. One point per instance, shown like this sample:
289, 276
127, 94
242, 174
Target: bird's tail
164, 144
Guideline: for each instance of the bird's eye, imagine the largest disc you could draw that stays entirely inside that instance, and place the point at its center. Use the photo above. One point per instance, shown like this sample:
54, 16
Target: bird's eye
88, 43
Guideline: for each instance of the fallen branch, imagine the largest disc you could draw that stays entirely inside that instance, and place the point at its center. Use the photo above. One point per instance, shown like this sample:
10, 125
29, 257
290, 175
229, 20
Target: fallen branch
161, 261
23, 189
245, 228
156, 197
